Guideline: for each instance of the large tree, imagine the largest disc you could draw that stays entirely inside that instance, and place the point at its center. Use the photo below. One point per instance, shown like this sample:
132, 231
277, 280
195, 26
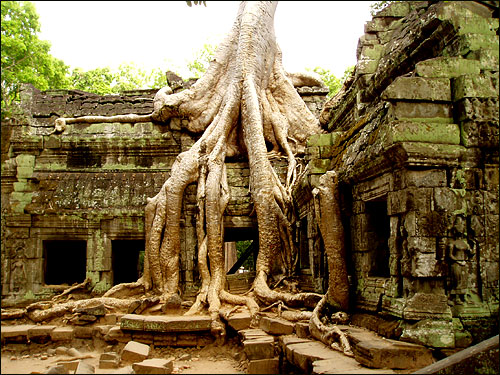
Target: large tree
246, 105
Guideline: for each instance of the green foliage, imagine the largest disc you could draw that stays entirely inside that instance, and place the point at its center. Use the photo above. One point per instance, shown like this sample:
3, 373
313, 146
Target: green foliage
189, 3
98, 81
241, 247
26, 58
333, 83
201, 61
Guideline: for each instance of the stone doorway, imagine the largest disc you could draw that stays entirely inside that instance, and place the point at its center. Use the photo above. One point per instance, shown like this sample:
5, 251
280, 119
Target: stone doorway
127, 258
378, 232
64, 261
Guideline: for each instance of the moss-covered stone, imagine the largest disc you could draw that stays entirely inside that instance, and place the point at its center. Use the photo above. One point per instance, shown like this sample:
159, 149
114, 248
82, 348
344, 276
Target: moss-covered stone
433, 333
418, 88
319, 140
470, 86
408, 131
447, 67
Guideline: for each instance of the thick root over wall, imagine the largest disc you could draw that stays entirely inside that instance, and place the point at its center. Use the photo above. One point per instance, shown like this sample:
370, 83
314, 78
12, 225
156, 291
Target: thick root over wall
245, 105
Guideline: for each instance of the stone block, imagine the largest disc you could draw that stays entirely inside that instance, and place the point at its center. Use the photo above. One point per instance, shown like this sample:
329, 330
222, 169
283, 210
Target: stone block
251, 333
468, 86
427, 305
264, 366
428, 332
414, 131
476, 109
319, 140
164, 339
479, 134
391, 354
396, 9
259, 347
276, 326
302, 329
115, 334
135, 351
69, 365
239, 321
17, 333
187, 339
176, 323
418, 88
84, 368
82, 332
98, 310
40, 334
422, 111
154, 366
319, 166
132, 322
304, 354
447, 67
367, 66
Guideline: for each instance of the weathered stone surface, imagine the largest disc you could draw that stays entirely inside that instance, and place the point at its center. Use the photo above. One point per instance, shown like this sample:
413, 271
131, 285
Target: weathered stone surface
17, 333
344, 365
259, 347
40, 334
115, 334
239, 321
469, 86
57, 369
412, 131
263, 366
109, 360
427, 305
165, 323
69, 365
376, 352
154, 366
135, 351
98, 310
432, 333
418, 88
447, 67
84, 368
276, 326
302, 329
304, 354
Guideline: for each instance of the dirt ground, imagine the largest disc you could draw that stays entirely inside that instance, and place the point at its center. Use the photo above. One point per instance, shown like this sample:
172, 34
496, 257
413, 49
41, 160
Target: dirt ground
37, 358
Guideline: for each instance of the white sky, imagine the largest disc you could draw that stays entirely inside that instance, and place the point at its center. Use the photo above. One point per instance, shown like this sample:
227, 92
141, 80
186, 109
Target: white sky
166, 34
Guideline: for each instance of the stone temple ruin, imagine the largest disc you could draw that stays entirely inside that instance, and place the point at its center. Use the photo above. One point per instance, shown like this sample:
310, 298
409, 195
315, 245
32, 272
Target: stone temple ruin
413, 134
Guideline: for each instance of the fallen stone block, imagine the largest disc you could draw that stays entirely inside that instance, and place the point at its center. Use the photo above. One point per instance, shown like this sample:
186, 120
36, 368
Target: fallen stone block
135, 351
264, 366
154, 366
109, 360
259, 348
276, 326
84, 368
62, 334
380, 353
239, 321
69, 365
304, 354
58, 369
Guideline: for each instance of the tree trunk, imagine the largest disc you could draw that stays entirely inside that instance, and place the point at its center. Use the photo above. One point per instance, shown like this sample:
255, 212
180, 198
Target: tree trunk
244, 105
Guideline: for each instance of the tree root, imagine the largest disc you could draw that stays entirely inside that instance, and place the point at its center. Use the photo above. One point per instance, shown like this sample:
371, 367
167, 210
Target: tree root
83, 285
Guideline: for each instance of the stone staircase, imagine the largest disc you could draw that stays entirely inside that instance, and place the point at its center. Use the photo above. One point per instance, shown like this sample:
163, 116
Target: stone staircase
276, 346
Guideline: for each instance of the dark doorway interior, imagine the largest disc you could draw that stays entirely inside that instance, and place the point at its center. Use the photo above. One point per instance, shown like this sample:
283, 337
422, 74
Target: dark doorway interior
65, 262
246, 247
126, 260
378, 231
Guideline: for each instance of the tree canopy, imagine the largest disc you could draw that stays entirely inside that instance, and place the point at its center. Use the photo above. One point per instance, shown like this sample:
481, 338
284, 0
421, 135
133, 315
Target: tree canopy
26, 58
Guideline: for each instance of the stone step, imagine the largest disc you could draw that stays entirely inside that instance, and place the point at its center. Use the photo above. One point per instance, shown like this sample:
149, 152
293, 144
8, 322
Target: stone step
375, 351
154, 366
16, 333
164, 323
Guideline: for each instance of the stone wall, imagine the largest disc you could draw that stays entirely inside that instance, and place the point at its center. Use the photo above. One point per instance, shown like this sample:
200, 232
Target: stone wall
89, 185
414, 137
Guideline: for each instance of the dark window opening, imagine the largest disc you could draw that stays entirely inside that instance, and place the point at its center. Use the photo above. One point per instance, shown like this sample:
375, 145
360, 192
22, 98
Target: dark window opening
65, 262
378, 231
127, 260
304, 262
241, 247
